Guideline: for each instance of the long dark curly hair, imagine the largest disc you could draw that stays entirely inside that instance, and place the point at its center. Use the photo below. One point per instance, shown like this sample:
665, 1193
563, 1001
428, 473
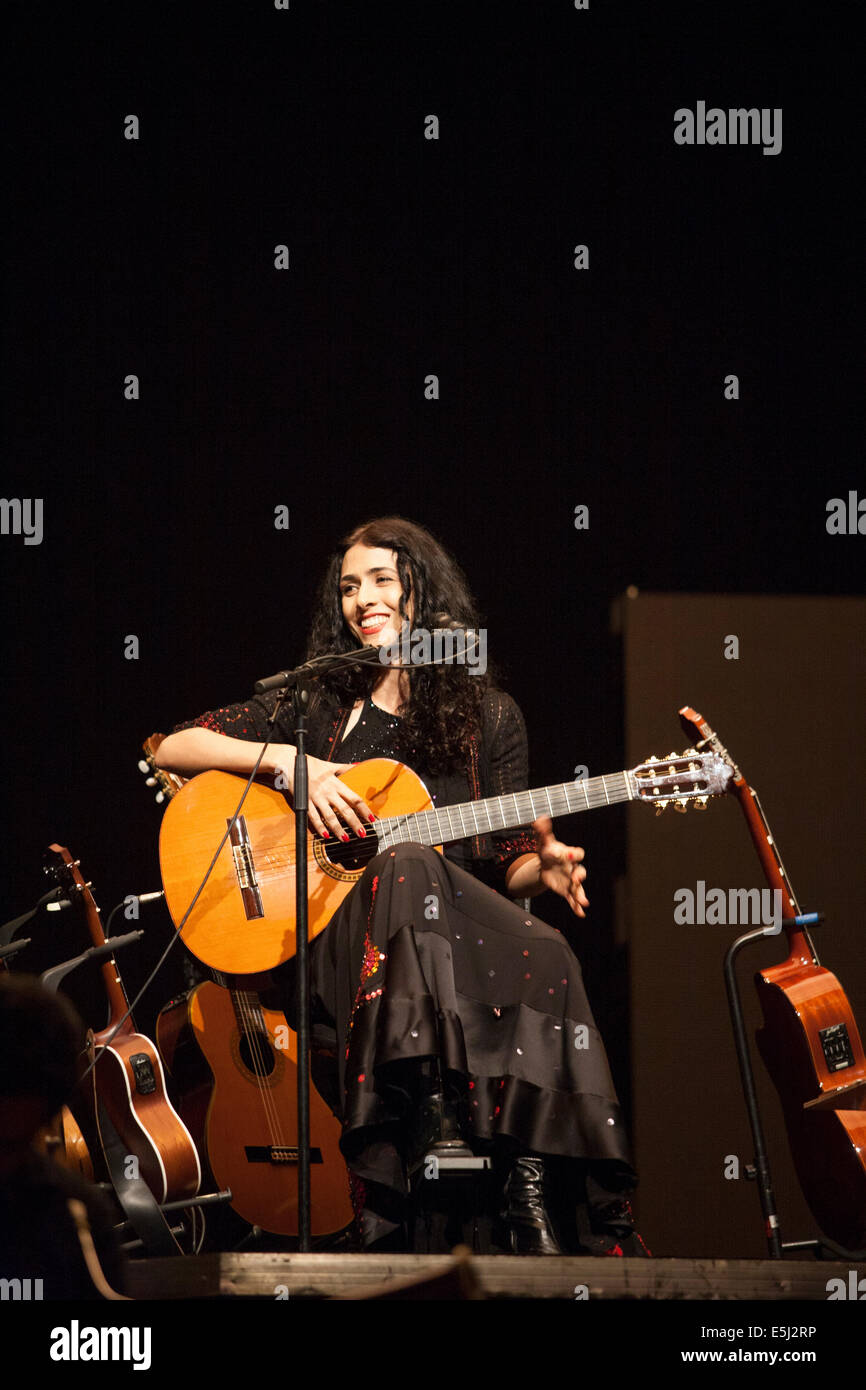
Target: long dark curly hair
444, 706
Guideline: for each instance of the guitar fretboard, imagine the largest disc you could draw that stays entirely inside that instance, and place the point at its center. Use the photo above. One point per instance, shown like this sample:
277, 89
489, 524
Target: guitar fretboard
248, 1012
442, 825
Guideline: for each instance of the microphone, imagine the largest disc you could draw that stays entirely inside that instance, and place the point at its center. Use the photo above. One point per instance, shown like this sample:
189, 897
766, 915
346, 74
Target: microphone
449, 642
464, 645
469, 638
367, 655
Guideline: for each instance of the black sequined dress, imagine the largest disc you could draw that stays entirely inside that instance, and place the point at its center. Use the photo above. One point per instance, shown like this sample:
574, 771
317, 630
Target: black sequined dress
423, 959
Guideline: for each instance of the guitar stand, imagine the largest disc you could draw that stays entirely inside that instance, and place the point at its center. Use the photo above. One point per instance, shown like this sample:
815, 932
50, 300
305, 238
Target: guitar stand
760, 1171
205, 1199
143, 1214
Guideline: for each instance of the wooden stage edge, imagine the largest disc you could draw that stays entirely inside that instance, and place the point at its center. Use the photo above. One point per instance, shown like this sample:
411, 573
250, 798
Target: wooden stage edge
463, 1275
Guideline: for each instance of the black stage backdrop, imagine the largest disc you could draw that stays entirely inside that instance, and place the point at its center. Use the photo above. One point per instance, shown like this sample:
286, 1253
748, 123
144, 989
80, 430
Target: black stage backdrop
505, 292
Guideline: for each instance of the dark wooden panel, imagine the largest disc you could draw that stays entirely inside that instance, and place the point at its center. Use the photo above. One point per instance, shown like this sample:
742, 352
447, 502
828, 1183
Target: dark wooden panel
789, 711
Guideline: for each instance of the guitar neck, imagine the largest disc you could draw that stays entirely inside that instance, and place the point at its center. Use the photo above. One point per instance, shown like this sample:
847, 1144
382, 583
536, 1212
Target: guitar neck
763, 838
248, 1011
442, 825
80, 890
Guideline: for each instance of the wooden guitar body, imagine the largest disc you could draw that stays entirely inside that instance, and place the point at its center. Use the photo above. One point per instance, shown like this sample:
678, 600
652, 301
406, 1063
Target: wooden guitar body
244, 920
131, 1086
250, 1128
800, 1002
62, 1140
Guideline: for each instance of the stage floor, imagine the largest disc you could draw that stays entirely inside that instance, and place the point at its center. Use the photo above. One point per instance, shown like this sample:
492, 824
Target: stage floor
462, 1275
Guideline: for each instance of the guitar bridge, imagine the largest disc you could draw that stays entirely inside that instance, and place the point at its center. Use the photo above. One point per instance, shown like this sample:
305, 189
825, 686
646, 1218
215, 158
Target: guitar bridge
277, 1154
245, 869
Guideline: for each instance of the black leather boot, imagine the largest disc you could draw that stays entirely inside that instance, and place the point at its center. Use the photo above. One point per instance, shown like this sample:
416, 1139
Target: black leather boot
436, 1130
528, 1228
435, 1126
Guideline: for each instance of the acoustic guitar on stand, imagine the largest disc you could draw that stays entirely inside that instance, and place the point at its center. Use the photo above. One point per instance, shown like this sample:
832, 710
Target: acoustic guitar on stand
128, 1073
810, 1042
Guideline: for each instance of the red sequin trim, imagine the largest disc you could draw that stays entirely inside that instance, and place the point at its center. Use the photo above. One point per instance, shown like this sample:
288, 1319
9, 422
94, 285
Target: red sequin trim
372, 959
503, 850
337, 724
358, 1195
475, 787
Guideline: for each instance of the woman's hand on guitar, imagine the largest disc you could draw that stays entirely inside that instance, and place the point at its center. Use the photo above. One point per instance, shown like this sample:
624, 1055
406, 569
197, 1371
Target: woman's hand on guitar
333, 807
561, 869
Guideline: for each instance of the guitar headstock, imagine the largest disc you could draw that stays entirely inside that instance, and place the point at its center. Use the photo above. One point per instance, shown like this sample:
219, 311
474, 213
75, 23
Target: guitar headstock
66, 871
168, 784
680, 778
694, 723
60, 865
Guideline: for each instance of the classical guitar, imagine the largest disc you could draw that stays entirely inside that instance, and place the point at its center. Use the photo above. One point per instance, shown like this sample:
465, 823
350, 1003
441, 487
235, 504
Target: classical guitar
128, 1074
810, 1043
245, 1110
250, 1127
243, 922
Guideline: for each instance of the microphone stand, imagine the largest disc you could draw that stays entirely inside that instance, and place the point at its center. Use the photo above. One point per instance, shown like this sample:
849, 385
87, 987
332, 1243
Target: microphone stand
300, 700
298, 681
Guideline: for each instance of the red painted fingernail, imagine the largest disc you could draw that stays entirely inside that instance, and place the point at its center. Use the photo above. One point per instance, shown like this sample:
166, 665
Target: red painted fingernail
363, 832
372, 818
325, 835
345, 838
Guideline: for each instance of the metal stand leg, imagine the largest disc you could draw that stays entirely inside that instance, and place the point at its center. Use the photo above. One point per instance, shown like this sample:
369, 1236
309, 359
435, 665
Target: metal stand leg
761, 1170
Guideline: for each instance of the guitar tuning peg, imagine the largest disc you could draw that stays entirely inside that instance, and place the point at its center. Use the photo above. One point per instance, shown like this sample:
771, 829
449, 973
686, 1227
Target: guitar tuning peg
652, 758
660, 806
159, 798
681, 805
701, 803
689, 752
674, 754
151, 782
143, 766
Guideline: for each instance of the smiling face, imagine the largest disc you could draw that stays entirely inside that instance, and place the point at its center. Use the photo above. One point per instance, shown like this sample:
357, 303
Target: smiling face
370, 593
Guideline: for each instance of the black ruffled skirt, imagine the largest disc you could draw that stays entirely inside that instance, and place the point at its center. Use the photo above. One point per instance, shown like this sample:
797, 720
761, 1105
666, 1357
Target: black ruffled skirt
422, 961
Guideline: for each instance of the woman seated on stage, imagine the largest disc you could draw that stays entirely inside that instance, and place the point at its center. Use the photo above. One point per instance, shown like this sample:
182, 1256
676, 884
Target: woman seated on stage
444, 1014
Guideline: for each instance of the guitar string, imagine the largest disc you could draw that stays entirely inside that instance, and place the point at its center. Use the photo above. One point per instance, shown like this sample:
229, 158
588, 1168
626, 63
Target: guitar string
435, 832
245, 1012
247, 1025
397, 828
259, 1032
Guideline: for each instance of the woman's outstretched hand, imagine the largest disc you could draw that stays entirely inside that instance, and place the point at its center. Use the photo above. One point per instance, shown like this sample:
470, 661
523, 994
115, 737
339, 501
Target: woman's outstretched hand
561, 869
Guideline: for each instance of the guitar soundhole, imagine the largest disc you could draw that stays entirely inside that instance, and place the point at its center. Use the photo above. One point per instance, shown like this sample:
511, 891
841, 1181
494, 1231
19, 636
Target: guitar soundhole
257, 1054
352, 856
